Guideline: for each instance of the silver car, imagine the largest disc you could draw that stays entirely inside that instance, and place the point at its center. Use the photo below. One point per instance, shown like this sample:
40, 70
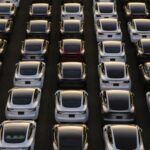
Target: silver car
111, 51
40, 10
108, 29
17, 135
104, 10
122, 137
23, 103
114, 75
38, 28
7, 10
117, 106
72, 11
71, 28
71, 106
139, 28
34, 49
29, 74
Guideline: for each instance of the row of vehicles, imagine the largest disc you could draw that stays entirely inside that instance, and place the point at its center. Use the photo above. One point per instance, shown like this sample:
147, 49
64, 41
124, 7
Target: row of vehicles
23, 102
117, 100
71, 100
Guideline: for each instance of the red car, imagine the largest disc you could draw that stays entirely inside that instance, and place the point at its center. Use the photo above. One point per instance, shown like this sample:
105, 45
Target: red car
72, 50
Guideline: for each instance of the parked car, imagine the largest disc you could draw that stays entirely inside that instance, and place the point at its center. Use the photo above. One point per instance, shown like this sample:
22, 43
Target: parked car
72, 75
40, 11
23, 103
16, 2
72, 50
143, 50
17, 135
5, 28
139, 28
3, 45
114, 75
123, 137
145, 73
72, 28
136, 9
34, 49
71, 106
70, 137
72, 11
7, 10
29, 74
38, 29
104, 10
111, 51
108, 29
117, 106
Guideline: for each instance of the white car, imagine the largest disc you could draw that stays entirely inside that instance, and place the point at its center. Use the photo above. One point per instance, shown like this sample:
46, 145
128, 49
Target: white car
23, 103
123, 137
29, 74
111, 51
16, 2
139, 28
7, 10
71, 106
114, 75
72, 11
104, 10
108, 29
17, 135
34, 49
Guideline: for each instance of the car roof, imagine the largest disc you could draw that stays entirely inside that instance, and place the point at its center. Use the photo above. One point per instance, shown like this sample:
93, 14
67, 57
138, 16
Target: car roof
125, 136
118, 99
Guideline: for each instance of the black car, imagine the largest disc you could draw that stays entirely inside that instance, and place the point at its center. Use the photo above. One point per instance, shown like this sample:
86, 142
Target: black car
136, 9
143, 50
72, 75
38, 29
40, 11
117, 106
72, 28
70, 137
3, 44
145, 73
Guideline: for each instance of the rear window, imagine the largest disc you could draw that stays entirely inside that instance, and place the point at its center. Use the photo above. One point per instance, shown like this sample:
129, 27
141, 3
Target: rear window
4, 9
72, 9
106, 9
15, 135
137, 9
40, 10
38, 28
28, 70
33, 47
109, 26
72, 47
71, 101
72, 27
115, 72
112, 48
22, 99
143, 26
72, 73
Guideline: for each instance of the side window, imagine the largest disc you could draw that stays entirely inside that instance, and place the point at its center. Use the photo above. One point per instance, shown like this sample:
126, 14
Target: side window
55, 136
30, 131
109, 135
40, 67
35, 95
102, 68
84, 135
